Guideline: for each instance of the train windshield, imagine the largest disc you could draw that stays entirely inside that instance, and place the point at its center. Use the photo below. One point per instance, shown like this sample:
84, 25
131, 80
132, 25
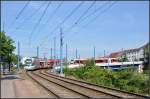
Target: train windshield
28, 62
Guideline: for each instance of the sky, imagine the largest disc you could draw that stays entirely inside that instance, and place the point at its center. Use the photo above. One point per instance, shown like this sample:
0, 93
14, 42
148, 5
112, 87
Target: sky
107, 25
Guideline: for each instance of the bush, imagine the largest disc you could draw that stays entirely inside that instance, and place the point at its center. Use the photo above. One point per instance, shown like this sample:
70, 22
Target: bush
14, 69
125, 79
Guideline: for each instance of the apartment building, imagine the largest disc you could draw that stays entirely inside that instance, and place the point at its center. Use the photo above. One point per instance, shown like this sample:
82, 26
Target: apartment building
137, 54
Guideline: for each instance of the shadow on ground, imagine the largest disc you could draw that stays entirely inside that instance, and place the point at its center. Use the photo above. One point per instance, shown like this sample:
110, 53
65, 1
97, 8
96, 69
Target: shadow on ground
10, 77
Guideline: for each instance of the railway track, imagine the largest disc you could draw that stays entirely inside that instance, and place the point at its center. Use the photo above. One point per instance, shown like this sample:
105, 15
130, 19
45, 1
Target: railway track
120, 93
63, 87
54, 89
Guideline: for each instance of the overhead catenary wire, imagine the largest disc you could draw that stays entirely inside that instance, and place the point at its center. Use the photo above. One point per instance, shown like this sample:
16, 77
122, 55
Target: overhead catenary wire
30, 16
83, 14
103, 11
36, 25
89, 15
54, 12
98, 9
19, 14
52, 15
65, 19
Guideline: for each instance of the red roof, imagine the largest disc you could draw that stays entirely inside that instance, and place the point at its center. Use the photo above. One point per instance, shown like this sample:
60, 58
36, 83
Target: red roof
116, 54
53, 60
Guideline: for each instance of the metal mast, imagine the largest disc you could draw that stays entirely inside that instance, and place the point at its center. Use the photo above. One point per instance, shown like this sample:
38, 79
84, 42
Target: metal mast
61, 52
18, 58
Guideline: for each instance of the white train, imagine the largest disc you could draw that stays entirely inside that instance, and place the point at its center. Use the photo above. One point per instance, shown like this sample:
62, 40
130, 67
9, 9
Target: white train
36, 63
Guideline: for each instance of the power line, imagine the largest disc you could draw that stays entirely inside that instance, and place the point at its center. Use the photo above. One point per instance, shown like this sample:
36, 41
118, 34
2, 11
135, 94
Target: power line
65, 19
36, 25
54, 12
26, 19
20, 12
92, 13
83, 14
103, 11
52, 15
89, 15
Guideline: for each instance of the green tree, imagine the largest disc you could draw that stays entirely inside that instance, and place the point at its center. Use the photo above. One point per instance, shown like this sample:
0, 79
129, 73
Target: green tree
6, 49
123, 59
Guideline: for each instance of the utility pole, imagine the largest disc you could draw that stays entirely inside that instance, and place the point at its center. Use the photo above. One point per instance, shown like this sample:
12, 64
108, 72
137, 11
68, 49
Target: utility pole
109, 60
3, 26
45, 59
94, 53
44, 55
51, 54
37, 52
18, 58
54, 54
76, 53
79, 60
66, 54
61, 52
122, 56
104, 53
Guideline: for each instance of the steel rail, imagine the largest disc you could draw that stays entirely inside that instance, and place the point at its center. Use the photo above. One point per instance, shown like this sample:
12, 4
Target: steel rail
47, 89
81, 87
86, 96
95, 85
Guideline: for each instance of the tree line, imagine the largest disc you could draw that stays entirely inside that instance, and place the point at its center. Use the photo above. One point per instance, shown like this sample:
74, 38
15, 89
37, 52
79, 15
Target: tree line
7, 57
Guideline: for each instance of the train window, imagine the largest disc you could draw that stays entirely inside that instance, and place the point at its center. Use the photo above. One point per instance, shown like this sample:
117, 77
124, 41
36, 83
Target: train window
28, 61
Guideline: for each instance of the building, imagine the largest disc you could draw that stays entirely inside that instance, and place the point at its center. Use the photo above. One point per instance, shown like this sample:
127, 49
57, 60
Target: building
134, 54
137, 54
117, 55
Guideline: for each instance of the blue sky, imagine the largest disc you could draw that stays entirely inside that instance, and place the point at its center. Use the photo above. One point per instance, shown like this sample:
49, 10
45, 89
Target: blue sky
124, 25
